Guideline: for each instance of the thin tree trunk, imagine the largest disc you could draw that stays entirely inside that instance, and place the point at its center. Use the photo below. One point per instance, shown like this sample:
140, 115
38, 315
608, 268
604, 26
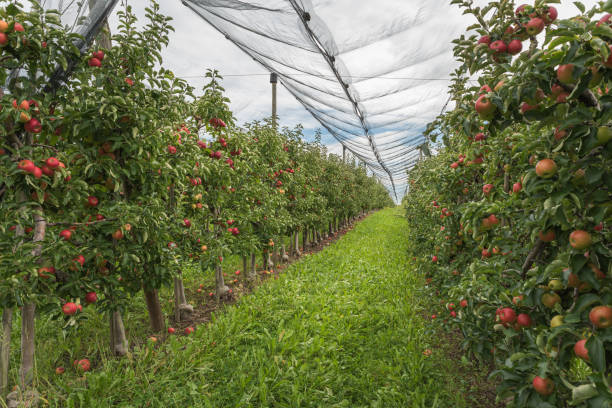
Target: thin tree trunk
5, 348
118, 339
221, 287
296, 240
304, 239
252, 272
244, 264
182, 309
26, 371
28, 311
284, 256
156, 316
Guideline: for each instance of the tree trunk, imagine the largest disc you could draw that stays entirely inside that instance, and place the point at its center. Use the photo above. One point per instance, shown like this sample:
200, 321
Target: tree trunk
253, 271
304, 239
331, 229
5, 348
244, 265
182, 309
156, 316
296, 240
221, 287
284, 256
118, 340
26, 371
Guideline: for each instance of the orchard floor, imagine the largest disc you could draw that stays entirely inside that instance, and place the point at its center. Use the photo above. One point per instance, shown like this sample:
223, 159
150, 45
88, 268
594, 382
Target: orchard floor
340, 328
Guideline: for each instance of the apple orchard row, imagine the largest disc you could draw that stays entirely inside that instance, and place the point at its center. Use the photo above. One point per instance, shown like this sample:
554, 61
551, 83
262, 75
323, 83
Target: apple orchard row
114, 175
515, 210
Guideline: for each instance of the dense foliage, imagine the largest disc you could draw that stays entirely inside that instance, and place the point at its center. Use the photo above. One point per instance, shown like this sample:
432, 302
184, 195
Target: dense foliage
514, 211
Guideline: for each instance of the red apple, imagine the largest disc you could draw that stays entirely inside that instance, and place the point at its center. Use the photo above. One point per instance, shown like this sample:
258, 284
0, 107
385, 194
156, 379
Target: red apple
69, 308
543, 386
507, 315
485, 107
524, 320
485, 39
118, 234
535, 26
516, 187
601, 316
514, 47
92, 201
565, 74
171, 330
547, 236
546, 168
94, 62
499, 47
580, 350
66, 234
188, 330
91, 297
580, 239
84, 365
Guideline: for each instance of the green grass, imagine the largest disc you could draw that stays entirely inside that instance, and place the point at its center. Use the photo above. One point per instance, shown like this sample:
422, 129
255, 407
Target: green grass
341, 328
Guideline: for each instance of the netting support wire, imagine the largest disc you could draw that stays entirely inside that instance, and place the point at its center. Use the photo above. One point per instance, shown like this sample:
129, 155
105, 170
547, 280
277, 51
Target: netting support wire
305, 18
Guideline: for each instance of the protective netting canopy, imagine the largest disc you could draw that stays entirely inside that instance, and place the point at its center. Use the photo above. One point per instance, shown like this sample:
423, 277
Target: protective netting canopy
362, 69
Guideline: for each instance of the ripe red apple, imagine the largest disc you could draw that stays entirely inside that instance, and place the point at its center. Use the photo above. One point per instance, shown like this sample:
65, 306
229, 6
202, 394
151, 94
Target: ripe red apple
171, 149
84, 365
524, 320
516, 187
535, 26
463, 303
188, 330
33, 126
66, 234
52, 163
46, 272
543, 386
499, 47
454, 165
520, 9
551, 15
547, 236
434, 258
171, 330
3, 39
485, 107
26, 165
546, 168
514, 47
18, 27
118, 234
565, 74
98, 54
91, 297
485, 39
580, 239
69, 308
60, 370
186, 223
94, 62
518, 299
487, 188
580, 350
507, 315
485, 253
601, 316
92, 201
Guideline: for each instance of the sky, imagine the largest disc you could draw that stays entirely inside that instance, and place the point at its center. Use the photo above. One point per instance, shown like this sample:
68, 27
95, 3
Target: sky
404, 42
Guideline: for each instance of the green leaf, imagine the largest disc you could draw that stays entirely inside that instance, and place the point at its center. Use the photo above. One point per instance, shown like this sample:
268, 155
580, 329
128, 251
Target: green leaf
597, 354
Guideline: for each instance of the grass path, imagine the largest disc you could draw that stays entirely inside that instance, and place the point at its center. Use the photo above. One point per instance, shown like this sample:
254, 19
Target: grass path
341, 328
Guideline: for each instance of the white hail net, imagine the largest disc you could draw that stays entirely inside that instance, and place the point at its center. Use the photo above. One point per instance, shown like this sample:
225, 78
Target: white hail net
372, 73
